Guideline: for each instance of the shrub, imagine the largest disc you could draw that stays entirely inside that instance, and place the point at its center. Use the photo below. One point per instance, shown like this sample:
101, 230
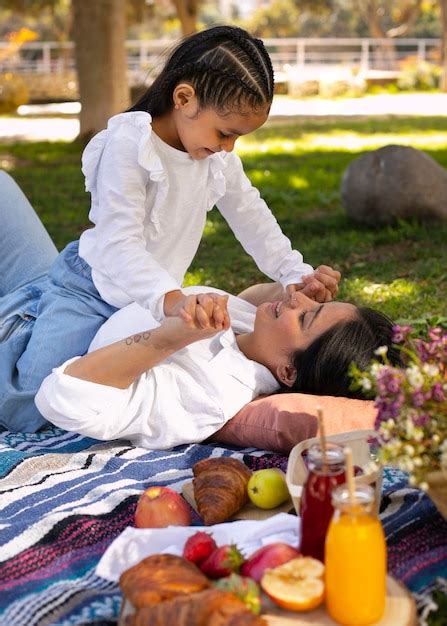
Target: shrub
13, 92
418, 74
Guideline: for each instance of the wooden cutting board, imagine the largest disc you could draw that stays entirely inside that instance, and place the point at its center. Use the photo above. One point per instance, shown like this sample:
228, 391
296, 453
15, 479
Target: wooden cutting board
400, 611
249, 511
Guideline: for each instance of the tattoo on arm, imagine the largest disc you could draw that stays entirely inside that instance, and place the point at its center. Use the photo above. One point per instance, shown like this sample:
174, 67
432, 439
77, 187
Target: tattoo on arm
138, 337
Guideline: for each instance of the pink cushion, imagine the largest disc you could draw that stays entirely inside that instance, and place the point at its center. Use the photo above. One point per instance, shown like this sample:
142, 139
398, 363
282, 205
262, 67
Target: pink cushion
280, 421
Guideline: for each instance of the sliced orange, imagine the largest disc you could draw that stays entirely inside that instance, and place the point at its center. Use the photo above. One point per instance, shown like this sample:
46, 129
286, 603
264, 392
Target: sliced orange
296, 585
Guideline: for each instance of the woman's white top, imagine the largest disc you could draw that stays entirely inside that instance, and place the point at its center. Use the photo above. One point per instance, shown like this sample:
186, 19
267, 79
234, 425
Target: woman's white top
149, 203
184, 399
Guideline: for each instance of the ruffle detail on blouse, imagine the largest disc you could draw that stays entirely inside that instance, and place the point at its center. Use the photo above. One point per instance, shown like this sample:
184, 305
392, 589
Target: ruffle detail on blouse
90, 159
216, 184
147, 158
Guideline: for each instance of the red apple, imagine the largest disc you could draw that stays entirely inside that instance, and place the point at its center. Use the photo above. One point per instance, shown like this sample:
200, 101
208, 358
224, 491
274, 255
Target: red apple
159, 507
268, 557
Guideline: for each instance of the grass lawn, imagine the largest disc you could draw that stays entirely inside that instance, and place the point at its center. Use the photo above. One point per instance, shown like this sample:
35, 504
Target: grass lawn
297, 167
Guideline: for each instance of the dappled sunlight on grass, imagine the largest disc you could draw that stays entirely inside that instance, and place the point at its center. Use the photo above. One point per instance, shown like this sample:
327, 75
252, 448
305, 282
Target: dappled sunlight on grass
294, 181
197, 277
274, 145
354, 142
342, 140
211, 228
299, 182
399, 295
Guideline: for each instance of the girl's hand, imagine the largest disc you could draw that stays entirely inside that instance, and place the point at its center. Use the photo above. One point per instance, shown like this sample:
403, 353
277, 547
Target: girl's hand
199, 308
321, 286
200, 317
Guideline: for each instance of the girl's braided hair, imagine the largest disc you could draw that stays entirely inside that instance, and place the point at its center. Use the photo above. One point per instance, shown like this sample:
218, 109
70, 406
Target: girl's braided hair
229, 69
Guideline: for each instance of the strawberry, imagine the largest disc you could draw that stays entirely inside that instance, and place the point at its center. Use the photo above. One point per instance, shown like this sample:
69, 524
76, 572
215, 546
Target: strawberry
198, 547
243, 588
222, 561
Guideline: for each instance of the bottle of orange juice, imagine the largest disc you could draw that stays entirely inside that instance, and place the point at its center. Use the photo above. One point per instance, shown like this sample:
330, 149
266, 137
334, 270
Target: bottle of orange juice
355, 559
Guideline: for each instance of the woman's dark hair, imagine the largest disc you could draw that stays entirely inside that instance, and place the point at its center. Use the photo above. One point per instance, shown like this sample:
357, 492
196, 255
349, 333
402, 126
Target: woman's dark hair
323, 367
229, 69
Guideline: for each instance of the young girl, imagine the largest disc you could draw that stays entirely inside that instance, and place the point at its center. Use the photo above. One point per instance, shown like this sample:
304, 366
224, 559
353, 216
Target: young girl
153, 174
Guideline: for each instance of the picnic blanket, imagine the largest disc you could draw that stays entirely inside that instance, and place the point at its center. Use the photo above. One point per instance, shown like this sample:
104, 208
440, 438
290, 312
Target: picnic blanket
64, 498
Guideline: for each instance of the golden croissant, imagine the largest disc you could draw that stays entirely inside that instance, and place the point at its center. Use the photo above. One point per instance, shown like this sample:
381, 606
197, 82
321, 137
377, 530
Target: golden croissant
220, 488
211, 607
161, 577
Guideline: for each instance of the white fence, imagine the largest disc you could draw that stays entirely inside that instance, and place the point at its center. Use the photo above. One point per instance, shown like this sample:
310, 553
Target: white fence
364, 55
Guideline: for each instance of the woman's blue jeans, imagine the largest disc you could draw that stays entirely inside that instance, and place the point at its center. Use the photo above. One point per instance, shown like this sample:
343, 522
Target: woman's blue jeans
49, 308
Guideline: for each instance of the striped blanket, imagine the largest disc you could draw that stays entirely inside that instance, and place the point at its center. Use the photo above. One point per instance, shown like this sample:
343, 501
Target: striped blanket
64, 498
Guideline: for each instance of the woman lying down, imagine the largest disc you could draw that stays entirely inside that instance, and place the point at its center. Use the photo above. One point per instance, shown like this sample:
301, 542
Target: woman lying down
179, 382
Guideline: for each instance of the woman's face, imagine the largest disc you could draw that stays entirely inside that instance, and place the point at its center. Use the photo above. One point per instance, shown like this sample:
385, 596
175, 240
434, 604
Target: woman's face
281, 328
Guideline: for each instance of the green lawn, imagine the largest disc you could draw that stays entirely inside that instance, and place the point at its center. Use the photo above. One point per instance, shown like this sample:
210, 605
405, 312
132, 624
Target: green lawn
297, 167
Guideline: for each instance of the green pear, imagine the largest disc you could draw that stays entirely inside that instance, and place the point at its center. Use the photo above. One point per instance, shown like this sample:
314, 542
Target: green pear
267, 488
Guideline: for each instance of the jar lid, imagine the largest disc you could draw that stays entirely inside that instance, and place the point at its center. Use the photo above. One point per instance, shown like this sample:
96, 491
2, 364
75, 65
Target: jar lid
334, 454
364, 494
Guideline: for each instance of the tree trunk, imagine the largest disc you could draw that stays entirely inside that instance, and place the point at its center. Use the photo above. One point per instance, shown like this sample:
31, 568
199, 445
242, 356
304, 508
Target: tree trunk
99, 32
443, 5
187, 14
385, 57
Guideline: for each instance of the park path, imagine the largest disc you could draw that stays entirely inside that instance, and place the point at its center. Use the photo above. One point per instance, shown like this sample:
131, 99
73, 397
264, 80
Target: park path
44, 122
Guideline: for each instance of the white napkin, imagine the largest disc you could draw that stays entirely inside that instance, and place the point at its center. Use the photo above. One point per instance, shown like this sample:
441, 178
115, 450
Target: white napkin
134, 544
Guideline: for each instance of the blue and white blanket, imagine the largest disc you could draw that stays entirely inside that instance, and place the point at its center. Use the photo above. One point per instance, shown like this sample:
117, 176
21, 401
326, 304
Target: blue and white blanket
64, 498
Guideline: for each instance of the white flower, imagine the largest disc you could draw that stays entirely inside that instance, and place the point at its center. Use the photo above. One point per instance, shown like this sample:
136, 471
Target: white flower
409, 449
430, 369
376, 368
381, 351
414, 376
366, 384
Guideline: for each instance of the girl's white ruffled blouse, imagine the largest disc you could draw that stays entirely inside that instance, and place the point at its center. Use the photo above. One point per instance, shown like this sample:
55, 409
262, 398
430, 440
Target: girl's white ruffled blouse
149, 203
184, 399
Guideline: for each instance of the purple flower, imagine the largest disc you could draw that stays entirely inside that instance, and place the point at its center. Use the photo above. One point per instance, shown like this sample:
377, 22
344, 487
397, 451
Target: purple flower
400, 333
421, 420
423, 350
418, 398
435, 333
393, 384
437, 393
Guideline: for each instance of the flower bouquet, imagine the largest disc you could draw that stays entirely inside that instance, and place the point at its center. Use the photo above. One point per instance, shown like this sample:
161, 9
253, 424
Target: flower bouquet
412, 408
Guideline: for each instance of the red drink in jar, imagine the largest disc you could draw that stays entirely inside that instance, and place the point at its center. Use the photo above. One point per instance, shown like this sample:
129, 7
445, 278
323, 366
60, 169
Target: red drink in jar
316, 508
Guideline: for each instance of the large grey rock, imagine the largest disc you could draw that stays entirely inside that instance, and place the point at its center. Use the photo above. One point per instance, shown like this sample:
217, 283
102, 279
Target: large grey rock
394, 182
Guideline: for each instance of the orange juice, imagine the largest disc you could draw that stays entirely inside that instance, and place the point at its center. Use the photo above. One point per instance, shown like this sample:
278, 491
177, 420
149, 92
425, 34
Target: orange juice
355, 559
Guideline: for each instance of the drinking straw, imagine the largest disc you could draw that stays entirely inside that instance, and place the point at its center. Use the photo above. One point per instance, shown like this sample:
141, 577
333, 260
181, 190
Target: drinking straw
350, 475
322, 437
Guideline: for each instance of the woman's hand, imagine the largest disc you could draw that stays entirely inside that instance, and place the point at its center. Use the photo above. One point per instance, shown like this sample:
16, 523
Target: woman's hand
321, 286
198, 317
200, 308
121, 363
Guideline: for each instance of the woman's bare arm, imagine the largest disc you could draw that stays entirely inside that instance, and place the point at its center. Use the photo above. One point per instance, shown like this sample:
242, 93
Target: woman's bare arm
263, 292
121, 363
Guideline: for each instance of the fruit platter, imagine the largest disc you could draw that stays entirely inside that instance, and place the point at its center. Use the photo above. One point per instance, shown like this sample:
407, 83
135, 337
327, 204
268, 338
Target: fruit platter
218, 574
274, 586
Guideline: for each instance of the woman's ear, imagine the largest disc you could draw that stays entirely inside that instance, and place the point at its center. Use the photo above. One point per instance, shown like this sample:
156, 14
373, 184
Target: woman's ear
286, 373
183, 95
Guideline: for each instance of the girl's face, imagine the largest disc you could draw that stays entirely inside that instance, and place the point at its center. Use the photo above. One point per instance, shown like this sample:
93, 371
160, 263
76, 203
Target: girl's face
202, 133
283, 327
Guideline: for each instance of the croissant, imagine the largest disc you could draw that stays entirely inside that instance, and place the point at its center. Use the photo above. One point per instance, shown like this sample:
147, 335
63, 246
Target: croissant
220, 488
212, 607
161, 577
